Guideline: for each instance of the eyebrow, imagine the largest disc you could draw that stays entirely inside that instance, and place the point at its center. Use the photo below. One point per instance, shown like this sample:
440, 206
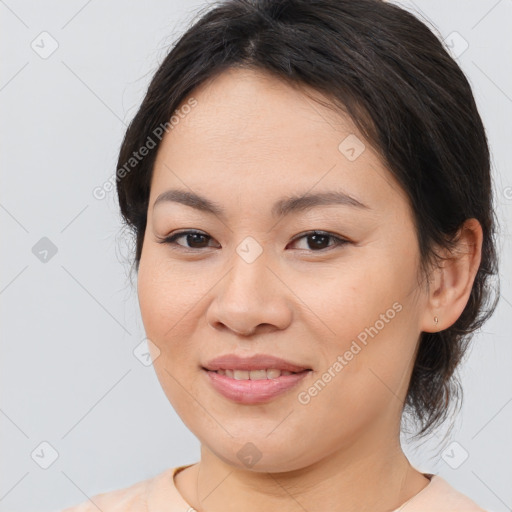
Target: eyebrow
282, 207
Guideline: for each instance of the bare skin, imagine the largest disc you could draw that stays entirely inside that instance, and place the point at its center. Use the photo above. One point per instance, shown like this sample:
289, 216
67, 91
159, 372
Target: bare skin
250, 141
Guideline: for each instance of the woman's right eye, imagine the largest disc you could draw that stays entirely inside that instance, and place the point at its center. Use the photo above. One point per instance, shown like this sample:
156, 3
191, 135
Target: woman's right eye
195, 239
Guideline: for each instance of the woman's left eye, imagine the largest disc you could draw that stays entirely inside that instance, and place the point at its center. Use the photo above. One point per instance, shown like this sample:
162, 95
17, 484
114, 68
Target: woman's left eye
316, 240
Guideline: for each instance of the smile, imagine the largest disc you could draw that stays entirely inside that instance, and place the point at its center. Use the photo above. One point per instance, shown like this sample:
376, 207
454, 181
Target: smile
255, 386
271, 373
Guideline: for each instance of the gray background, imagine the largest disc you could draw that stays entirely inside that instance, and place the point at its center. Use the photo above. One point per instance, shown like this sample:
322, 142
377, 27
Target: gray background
70, 324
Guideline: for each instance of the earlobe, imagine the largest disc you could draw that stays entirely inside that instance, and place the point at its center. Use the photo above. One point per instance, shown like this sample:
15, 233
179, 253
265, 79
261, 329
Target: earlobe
453, 279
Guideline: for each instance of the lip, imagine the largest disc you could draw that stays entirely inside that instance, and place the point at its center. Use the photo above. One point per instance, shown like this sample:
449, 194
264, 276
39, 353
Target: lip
253, 391
254, 362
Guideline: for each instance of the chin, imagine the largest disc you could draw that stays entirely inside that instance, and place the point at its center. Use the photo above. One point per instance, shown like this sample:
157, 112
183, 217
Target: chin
260, 455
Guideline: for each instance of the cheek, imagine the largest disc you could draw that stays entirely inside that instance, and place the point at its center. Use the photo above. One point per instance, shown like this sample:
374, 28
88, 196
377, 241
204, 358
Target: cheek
361, 384
170, 299
365, 314
346, 298
168, 295
169, 318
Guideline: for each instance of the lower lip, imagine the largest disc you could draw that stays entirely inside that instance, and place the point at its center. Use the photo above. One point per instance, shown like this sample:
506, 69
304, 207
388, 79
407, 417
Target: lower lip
254, 391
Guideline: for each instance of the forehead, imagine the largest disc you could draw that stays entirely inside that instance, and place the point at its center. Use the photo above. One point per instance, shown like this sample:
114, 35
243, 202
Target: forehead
253, 134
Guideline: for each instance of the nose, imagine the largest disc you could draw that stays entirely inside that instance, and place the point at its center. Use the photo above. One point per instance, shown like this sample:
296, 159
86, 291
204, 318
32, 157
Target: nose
250, 299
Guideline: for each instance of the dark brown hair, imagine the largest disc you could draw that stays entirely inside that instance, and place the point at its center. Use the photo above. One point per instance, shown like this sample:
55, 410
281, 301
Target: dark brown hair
408, 97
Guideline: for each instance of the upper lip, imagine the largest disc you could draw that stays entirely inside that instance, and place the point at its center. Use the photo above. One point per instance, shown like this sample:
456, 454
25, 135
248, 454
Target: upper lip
254, 362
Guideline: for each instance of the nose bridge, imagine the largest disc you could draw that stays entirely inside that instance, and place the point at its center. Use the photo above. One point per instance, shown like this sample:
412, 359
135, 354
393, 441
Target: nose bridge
249, 275
249, 295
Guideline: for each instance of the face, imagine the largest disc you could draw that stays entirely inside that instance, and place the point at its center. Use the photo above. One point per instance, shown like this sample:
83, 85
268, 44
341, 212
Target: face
328, 285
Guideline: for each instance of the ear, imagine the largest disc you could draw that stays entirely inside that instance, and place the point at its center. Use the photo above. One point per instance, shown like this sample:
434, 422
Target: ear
452, 282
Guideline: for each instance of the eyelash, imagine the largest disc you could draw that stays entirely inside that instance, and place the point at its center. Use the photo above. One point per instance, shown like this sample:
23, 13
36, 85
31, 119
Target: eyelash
171, 240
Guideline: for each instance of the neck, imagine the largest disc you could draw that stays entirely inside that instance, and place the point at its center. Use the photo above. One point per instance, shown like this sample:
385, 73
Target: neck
377, 477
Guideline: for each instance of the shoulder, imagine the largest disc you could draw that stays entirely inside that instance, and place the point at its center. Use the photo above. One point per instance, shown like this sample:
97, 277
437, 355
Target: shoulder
132, 498
439, 495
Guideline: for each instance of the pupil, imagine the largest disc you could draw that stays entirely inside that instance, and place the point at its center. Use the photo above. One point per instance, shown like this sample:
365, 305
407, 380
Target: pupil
194, 235
317, 239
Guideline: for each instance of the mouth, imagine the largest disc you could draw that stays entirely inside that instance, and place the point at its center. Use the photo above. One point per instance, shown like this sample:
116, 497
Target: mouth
255, 367
261, 374
253, 380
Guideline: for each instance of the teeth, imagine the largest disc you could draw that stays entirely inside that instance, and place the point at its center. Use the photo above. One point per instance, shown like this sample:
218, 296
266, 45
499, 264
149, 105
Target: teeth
256, 374
271, 373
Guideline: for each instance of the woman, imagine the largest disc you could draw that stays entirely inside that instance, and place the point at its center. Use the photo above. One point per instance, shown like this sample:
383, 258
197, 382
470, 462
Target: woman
272, 126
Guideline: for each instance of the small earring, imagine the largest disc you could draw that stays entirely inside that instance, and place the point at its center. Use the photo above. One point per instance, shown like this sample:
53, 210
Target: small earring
436, 320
